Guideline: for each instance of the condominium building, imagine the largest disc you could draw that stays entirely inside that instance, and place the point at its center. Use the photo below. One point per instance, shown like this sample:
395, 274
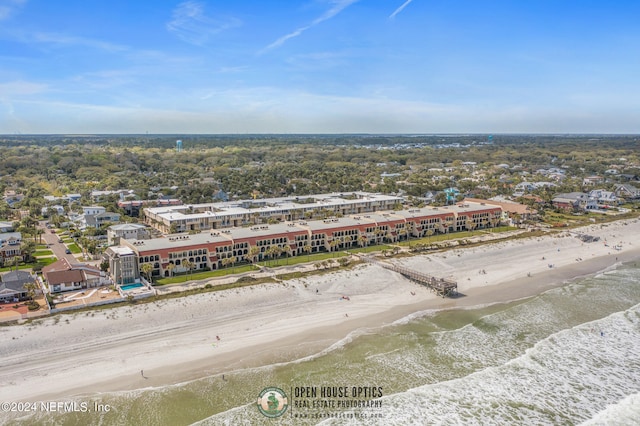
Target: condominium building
202, 217
216, 248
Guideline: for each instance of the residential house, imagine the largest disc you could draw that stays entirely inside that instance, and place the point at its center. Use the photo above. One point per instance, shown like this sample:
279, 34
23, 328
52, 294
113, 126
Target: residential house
10, 246
592, 181
512, 211
523, 188
6, 227
574, 201
13, 287
11, 197
45, 211
123, 264
93, 210
96, 221
63, 276
128, 231
628, 177
627, 191
98, 196
604, 198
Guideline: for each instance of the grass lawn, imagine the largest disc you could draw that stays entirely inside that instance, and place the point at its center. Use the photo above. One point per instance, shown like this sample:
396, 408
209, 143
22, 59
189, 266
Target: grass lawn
204, 275
316, 257
39, 253
73, 248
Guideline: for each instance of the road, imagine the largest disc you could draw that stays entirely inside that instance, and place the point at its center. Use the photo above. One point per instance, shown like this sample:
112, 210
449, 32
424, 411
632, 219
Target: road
58, 248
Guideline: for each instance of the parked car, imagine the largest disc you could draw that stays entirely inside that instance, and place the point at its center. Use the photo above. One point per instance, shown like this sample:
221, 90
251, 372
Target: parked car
67, 251
60, 240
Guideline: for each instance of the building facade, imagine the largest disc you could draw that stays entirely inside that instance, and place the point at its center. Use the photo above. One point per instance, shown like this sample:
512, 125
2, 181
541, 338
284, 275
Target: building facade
217, 248
202, 217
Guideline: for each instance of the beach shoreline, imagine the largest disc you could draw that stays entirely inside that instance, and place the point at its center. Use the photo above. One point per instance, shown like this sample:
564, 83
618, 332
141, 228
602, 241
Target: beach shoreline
179, 340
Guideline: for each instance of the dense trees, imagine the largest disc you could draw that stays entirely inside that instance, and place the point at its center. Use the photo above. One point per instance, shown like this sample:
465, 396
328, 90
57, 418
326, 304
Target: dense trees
269, 166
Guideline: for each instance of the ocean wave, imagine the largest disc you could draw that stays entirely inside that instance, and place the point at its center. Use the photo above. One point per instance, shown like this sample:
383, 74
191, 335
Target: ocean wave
568, 377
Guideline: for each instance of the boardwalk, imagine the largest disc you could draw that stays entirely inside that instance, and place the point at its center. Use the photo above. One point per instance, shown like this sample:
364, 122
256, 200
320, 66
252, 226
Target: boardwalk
441, 286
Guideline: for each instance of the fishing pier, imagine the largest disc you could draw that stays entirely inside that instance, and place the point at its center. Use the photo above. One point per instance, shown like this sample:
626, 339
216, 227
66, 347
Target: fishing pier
441, 286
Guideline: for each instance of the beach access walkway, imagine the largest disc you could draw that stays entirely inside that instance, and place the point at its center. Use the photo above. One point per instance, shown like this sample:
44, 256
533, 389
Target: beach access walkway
441, 286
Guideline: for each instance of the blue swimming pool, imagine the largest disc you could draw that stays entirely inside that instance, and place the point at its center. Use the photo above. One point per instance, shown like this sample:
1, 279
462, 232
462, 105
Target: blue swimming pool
131, 286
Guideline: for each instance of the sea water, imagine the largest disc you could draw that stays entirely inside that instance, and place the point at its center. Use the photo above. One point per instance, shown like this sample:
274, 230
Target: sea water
568, 356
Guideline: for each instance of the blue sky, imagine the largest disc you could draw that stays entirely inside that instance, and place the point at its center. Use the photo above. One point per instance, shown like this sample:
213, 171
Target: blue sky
319, 66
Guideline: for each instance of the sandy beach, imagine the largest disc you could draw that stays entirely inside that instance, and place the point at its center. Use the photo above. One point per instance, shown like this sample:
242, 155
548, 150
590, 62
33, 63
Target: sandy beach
177, 340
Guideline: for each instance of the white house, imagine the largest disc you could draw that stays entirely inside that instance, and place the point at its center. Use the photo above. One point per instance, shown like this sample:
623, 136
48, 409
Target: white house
603, 197
57, 208
93, 210
127, 231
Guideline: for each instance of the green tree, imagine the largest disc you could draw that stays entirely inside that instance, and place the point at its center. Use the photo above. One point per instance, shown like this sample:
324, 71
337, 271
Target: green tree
146, 269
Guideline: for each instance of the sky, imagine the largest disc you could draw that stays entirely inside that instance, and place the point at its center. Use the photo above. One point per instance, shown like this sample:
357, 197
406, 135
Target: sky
319, 66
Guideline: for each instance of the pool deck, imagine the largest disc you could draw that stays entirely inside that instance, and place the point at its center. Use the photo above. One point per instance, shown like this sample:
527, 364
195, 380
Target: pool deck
82, 298
141, 291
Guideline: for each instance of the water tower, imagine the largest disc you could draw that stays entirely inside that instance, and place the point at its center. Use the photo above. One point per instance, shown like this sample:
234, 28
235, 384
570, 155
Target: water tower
178, 145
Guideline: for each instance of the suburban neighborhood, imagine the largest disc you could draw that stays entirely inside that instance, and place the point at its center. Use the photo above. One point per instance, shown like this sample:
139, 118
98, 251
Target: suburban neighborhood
106, 245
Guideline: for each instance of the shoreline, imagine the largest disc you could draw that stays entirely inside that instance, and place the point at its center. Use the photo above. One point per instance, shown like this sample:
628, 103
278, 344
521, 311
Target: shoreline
277, 323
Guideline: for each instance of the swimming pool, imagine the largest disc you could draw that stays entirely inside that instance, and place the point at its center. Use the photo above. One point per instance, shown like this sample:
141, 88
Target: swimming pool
131, 286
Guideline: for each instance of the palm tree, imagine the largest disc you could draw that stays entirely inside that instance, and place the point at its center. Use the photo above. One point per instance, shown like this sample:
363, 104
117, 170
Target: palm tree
410, 227
379, 235
189, 266
363, 240
287, 251
146, 269
307, 249
225, 262
332, 245
429, 234
402, 232
28, 248
170, 268
39, 232
273, 252
254, 251
31, 288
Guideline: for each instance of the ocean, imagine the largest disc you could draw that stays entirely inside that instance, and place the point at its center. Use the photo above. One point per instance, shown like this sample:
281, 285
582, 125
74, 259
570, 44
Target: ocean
569, 356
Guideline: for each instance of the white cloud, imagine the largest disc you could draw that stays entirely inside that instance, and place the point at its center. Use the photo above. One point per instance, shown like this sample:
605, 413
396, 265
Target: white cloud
192, 25
398, 10
9, 7
20, 88
66, 40
338, 6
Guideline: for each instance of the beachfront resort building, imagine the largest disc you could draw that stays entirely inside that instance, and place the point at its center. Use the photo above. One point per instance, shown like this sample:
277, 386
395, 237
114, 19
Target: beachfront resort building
202, 217
217, 248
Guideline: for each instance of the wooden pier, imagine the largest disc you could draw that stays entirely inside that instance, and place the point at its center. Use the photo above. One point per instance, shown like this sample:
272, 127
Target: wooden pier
441, 286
